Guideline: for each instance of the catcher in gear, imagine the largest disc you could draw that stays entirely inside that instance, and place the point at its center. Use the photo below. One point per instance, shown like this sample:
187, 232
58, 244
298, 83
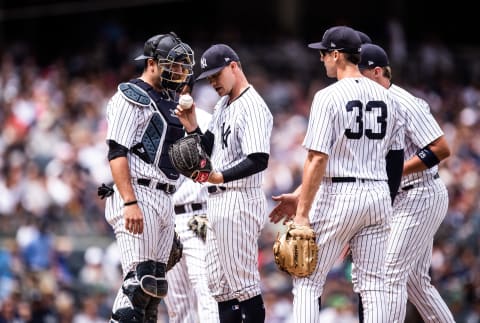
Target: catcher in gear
296, 251
189, 158
140, 128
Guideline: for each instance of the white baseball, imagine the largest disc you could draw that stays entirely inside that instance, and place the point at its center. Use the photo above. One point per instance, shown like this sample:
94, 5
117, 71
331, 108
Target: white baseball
185, 101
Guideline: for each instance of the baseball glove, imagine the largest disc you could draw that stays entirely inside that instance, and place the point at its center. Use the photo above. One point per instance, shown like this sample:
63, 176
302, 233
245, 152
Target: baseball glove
296, 251
176, 252
198, 224
190, 159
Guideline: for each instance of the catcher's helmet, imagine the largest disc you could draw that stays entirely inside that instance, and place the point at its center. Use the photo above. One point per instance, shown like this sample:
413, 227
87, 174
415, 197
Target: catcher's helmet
171, 53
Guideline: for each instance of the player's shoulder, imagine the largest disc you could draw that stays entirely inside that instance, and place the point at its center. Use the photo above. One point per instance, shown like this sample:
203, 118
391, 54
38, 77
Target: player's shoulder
254, 102
408, 100
134, 94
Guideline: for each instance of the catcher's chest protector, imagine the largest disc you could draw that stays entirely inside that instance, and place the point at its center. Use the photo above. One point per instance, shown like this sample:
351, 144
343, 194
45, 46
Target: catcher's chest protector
163, 129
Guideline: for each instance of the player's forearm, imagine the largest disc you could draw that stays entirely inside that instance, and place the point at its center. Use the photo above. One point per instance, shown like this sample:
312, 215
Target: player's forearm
439, 148
313, 172
121, 177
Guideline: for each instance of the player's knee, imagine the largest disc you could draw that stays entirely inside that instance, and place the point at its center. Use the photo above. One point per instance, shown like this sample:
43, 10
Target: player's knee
151, 275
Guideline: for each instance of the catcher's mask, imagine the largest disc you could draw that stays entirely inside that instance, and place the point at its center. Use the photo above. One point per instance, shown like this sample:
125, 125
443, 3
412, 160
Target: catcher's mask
174, 57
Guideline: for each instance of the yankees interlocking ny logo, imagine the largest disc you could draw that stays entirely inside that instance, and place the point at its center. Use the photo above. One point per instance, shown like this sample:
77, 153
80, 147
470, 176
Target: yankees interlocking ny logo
203, 62
225, 134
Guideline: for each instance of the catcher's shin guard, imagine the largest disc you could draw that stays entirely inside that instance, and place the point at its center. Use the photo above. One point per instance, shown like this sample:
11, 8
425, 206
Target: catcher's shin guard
151, 312
146, 283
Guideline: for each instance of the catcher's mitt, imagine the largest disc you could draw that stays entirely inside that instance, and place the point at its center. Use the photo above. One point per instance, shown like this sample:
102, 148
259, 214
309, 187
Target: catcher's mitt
198, 224
176, 252
296, 251
190, 159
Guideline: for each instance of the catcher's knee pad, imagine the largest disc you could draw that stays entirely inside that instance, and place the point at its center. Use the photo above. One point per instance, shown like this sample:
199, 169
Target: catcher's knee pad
151, 275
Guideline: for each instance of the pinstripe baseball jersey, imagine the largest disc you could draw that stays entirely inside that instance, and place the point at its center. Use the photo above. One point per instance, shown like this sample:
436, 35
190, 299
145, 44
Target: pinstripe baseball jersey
237, 214
419, 209
127, 121
356, 122
241, 128
421, 129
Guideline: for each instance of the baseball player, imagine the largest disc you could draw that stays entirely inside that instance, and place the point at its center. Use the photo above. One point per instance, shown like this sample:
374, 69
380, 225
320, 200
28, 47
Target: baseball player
355, 133
141, 126
420, 205
238, 139
188, 299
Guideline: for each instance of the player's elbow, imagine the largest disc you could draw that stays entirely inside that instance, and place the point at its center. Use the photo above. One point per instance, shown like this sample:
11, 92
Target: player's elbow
441, 148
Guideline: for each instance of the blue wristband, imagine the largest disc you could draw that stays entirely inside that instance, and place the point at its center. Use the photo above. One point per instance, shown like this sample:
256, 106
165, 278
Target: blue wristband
428, 157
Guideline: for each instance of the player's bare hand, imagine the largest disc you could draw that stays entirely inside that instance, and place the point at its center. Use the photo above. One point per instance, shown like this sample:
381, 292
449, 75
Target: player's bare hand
187, 117
215, 178
285, 209
133, 218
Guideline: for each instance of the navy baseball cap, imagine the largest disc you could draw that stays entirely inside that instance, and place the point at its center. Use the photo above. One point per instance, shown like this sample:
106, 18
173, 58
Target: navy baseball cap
372, 56
364, 37
215, 58
341, 38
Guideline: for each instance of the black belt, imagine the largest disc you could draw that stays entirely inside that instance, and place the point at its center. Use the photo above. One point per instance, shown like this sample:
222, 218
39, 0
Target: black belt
343, 179
167, 188
184, 208
216, 189
409, 187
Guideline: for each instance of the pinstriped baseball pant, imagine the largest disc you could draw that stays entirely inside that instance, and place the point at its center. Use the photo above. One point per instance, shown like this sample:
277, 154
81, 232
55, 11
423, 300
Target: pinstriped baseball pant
418, 215
348, 213
188, 298
156, 240
236, 218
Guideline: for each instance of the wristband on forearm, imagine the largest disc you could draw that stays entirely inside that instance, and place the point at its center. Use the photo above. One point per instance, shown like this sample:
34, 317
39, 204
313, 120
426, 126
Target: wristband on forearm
428, 157
197, 130
130, 203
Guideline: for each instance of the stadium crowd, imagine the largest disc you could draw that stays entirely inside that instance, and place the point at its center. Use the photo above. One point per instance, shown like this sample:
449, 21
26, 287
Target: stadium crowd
58, 260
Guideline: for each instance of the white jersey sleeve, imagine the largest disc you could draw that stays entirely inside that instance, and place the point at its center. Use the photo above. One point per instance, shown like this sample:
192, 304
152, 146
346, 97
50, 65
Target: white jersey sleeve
421, 129
122, 119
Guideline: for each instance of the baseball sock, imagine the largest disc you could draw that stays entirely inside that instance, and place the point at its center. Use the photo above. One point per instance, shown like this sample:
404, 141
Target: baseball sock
253, 310
229, 311
360, 309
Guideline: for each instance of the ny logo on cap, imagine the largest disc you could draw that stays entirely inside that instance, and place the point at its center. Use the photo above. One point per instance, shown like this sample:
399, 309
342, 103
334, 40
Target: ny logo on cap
203, 62
332, 44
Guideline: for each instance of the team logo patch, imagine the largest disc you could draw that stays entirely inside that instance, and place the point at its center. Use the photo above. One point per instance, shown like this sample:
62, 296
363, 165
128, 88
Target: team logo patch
203, 62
